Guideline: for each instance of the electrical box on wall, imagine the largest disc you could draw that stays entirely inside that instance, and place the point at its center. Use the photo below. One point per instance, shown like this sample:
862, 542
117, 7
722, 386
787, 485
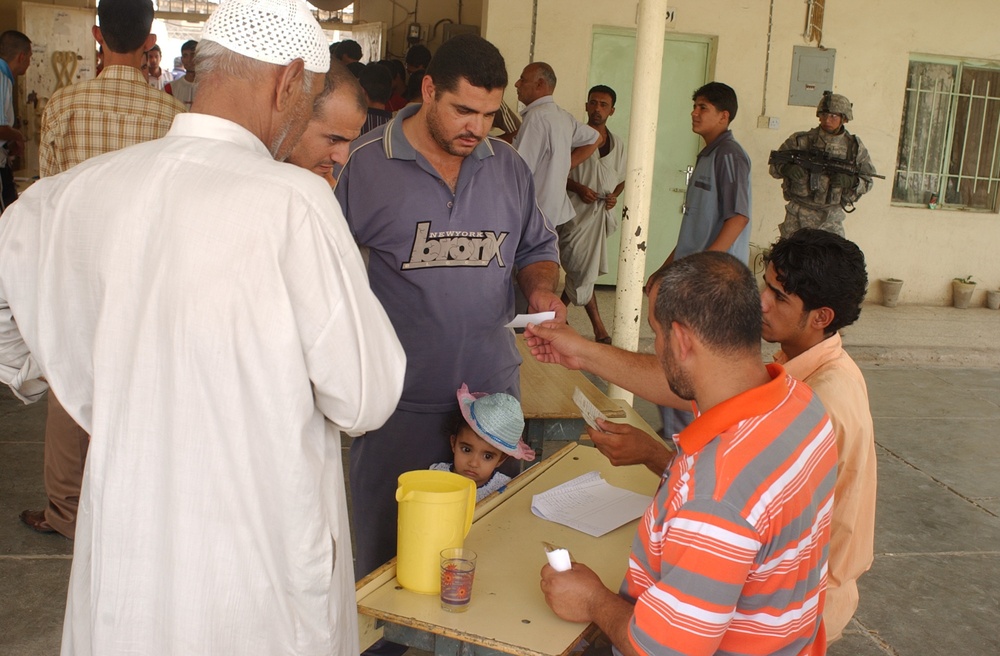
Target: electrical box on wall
812, 74
413, 33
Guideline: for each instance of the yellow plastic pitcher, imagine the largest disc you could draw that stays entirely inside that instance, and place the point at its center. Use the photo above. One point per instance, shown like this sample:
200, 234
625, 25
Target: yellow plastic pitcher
435, 513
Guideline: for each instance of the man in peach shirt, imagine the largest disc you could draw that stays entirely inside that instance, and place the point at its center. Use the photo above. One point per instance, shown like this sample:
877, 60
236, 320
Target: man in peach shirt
819, 279
815, 283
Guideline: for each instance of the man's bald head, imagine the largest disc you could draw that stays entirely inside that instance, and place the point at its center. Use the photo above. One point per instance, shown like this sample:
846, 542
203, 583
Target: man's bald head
537, 81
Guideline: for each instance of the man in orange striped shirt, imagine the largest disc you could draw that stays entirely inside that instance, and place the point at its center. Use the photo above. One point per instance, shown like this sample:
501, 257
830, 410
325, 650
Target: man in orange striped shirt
814, 286
731, 556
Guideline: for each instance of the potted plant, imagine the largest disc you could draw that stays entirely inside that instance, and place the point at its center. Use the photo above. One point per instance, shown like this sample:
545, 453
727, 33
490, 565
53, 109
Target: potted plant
890, 291
993, 299
962, 289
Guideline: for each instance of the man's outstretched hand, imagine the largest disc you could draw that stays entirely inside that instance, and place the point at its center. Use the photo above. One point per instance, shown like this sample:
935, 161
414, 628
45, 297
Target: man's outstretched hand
546, 301
557, 343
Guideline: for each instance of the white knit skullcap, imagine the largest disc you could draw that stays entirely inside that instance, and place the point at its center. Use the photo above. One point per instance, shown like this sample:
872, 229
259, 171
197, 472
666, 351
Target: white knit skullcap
273, 31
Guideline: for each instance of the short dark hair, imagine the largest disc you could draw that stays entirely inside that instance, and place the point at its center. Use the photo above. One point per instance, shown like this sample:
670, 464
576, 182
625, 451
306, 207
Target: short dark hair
715, 295
455, 422
355, 68
395, 67
824, 270
155, 48
125, 24
376, 80
191, 44
603, 88
12, 44
414, 87
418, 56
721, 96
471, 57
350, 48
339, 79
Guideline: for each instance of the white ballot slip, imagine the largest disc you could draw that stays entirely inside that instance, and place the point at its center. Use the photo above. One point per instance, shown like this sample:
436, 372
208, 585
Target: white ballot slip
559, 559
587, 409
589, 504
522, 320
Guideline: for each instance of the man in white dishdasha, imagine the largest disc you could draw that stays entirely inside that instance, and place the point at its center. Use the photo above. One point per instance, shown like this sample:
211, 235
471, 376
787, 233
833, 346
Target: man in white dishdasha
214, 344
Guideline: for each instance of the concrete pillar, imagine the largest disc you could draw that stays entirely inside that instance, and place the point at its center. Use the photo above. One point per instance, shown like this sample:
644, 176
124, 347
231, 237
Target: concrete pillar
651, 22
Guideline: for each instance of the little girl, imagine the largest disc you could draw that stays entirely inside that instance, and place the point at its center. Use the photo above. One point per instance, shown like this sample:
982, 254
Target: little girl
490, 432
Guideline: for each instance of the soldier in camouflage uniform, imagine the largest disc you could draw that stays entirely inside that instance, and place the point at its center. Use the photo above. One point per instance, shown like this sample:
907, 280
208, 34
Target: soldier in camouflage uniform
818, 200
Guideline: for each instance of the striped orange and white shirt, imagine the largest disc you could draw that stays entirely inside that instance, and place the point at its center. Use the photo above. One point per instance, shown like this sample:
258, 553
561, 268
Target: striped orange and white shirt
731, 556
115, 110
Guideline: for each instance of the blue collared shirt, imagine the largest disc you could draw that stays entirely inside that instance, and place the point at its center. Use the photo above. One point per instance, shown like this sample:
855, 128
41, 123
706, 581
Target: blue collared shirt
442, 263
719, 189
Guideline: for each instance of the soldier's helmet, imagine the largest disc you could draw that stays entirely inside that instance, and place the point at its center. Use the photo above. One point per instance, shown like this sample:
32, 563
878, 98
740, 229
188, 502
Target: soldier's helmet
834, 103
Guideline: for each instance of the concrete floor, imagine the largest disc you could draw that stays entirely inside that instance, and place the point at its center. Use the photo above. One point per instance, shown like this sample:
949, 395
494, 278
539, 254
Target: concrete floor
935, 584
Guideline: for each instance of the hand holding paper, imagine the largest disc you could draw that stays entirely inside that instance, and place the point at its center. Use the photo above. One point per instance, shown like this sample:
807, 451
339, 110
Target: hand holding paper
559, 558
587, 409
522, 320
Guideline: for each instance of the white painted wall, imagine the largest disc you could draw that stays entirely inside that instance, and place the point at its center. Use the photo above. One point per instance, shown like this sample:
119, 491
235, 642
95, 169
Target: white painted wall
926, 248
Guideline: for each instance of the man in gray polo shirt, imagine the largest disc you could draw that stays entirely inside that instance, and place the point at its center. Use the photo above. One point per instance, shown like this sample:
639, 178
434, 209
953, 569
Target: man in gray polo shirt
717, 204
449, 218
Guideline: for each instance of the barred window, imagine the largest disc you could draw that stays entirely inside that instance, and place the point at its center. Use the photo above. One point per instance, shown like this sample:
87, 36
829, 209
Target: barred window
950, 134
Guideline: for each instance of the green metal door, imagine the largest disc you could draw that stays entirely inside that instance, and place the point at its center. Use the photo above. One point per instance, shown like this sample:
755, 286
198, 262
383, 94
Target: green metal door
686, 62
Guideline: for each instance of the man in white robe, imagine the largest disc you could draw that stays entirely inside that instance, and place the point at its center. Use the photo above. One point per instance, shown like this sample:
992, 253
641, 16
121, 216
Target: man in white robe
594, 188
213, 344
550, 140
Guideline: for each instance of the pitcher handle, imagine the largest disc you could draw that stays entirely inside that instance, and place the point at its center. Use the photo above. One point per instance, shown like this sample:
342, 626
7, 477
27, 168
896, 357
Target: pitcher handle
471, 509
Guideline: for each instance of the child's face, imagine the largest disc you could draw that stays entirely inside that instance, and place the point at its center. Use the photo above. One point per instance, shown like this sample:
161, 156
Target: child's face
475, 458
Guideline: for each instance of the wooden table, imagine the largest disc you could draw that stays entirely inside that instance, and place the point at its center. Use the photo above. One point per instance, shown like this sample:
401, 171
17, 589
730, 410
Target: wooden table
547, 401
508, 614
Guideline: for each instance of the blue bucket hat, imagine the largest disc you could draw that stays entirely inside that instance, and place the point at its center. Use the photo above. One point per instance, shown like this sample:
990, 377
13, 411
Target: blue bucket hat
497, 418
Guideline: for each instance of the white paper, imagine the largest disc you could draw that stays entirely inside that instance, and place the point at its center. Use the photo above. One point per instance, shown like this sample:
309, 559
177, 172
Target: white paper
522, 320
559, 559
589, 504
587, 409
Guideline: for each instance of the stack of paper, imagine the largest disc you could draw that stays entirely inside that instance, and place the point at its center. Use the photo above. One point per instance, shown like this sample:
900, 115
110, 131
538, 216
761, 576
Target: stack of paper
589, 504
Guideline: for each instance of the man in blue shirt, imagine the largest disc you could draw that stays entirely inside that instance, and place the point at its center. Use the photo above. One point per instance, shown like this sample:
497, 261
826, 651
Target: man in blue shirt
717, 204
449, 219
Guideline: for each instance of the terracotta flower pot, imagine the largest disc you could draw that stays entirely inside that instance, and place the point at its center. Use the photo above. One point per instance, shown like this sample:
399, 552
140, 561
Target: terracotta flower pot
890, 291
993, 299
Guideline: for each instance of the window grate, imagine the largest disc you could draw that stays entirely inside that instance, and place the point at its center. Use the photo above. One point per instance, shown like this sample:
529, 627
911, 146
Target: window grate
949, 146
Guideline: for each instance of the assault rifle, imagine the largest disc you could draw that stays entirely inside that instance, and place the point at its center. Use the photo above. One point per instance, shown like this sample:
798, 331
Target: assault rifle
817, 163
